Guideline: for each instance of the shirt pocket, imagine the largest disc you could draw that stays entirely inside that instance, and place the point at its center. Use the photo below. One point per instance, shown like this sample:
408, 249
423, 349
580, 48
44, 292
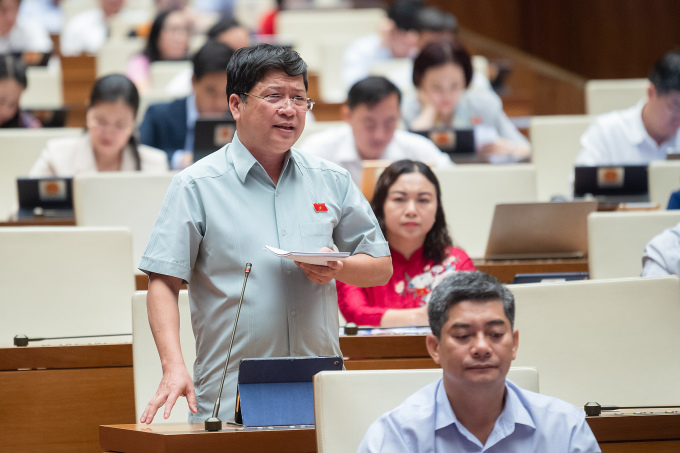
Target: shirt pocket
314, 235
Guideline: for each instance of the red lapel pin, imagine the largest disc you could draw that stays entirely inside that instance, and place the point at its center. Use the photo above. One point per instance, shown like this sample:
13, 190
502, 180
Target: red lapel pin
320, 207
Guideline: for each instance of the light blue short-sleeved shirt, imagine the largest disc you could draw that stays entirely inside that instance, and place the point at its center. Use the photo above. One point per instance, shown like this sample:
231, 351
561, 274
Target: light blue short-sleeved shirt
217, 216
529, 422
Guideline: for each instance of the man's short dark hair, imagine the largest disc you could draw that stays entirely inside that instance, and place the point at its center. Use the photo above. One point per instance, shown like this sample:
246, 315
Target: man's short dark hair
404, 13
371, 91
249, 65
462, 286
436, 20
666, 74
212, 57
224, 24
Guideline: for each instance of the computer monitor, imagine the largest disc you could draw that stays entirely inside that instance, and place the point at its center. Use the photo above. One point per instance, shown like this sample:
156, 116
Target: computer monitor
48, 197
459, 144
212, 134
615, 183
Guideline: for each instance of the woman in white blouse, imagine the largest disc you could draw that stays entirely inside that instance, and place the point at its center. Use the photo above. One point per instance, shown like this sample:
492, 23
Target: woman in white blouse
108, 143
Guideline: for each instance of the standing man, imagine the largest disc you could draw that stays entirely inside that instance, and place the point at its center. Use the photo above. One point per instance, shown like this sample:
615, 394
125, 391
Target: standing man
220, 212
474, 408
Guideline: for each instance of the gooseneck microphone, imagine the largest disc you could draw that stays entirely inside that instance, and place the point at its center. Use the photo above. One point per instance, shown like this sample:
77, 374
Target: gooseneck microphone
214, 423
22, 340
595, 409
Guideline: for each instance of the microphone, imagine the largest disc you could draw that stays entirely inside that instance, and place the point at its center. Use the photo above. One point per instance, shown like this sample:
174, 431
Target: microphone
214, 423
22, 340
594, 409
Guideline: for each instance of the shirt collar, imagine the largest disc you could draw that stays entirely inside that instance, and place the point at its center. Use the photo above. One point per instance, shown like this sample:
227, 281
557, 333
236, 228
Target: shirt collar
416, 257
192, 112
513, 413
243, 161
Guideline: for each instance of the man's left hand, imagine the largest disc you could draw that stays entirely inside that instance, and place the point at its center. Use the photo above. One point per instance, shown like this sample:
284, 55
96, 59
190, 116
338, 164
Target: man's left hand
321, 274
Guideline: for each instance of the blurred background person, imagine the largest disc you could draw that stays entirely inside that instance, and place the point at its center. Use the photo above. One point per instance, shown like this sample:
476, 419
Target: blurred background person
170, 126
407, 204
109, 143
46, 12
19, 35
12, 85
397, 39
87, 31
228, 31
168, 41
372, 115
441, 75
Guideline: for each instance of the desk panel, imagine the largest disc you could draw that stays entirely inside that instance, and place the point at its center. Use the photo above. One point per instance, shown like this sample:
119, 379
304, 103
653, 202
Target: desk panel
506, 270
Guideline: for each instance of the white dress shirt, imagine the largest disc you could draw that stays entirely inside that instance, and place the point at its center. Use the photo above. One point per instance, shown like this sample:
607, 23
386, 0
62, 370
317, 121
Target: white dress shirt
620, 138
26, 36
338, 146
662, 254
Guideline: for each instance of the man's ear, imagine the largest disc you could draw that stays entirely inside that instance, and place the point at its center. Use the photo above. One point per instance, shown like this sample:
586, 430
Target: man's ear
432, 343
345, 113
515, 337
235, 102
651, 91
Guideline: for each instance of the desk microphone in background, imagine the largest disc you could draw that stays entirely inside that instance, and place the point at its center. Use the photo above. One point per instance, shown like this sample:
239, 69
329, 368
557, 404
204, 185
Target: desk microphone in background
22, 340
595, 409
214, 423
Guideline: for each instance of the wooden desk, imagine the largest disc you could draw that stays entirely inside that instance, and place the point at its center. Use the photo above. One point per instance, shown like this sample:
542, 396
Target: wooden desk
385, 352
658, 433
185, 437
39, 221
55, 397
505, 271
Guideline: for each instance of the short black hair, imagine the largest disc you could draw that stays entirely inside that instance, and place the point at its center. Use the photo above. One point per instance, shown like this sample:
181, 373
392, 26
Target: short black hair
11, 67
404, 13
250, 64
462, 286
371, 91
224, 24
665, 75
214, 56
438, 54
436, 20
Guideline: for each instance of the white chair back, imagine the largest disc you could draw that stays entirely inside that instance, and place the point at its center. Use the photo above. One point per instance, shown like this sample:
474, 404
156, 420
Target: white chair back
346, 403
664, 179
129, 200
611, 341
616, 240
19, 151
114, 55
65, 281
162, 72
603, 96
296, 26
555, 143
314, 127
332, 88
44, 90
470, 194
146, 362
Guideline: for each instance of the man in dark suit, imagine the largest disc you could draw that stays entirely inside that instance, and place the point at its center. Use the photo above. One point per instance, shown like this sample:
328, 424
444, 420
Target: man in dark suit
170, 126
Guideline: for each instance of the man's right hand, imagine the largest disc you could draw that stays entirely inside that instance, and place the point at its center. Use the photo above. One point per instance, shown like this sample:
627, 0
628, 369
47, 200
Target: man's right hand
176, 382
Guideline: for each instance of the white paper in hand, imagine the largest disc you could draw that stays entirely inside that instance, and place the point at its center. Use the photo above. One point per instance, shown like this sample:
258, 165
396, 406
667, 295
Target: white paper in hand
318, 258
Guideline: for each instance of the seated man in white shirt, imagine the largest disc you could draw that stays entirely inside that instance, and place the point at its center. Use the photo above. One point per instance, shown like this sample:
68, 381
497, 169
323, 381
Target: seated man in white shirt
22, 34
645, 132
662, 254
474, 408
372, 113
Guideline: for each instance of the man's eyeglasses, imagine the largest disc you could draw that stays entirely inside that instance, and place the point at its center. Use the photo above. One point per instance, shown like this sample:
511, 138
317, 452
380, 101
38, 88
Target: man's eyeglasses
279, 102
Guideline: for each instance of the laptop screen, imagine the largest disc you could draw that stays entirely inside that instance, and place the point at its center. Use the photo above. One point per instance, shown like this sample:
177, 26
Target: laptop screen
46, 193
212, 134
621, 180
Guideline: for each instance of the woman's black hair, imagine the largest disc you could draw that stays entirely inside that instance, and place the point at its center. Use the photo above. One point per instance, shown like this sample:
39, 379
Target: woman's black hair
437, 239
438, 54
151, 50
12, 68
118, 88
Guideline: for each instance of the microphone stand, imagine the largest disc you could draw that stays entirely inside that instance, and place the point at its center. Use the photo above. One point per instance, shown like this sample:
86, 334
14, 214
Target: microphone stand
214, 423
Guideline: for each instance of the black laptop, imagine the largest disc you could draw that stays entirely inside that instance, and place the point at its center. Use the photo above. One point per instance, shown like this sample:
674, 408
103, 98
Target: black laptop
45, 197
212, 134
459, 144
612, 183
